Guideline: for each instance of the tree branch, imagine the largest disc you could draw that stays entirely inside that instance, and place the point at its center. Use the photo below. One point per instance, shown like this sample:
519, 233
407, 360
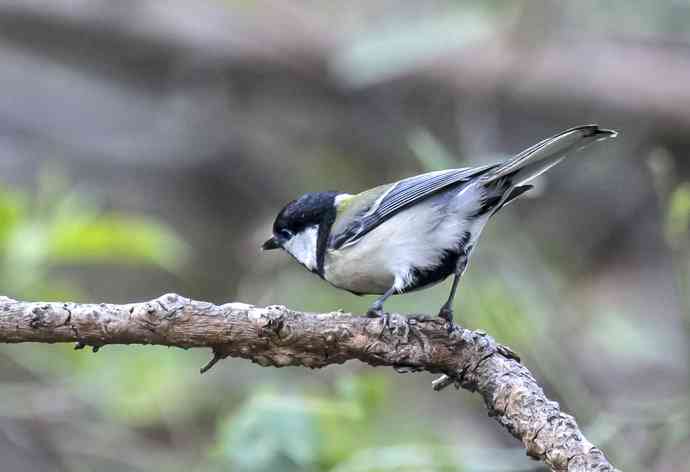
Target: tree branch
276, 336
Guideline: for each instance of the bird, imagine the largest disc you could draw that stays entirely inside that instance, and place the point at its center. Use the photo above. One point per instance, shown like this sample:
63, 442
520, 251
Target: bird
414, 233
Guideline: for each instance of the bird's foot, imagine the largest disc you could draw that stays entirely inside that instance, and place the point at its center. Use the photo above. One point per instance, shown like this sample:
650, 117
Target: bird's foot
395, 324
447, 314
375, 312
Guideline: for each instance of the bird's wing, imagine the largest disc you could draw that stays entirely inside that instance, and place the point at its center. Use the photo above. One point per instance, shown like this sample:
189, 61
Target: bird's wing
547, 153
397, 197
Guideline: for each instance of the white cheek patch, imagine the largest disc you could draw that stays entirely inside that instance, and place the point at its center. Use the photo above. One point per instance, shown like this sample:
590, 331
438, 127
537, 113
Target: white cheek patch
302, 246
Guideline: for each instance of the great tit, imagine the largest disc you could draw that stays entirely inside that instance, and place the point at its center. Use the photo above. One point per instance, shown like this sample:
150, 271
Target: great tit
414, 233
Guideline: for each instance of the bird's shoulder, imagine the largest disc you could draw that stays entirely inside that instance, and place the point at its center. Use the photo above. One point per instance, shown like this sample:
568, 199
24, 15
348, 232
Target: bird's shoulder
350, 207
363, 201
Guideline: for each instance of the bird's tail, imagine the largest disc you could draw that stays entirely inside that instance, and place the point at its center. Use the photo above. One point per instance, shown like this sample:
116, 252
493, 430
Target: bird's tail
542, 156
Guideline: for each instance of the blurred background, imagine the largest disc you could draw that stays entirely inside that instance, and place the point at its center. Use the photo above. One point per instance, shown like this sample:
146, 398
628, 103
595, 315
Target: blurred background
146, 146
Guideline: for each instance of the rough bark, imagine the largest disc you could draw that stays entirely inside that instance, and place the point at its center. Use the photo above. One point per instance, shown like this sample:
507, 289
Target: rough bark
277, 336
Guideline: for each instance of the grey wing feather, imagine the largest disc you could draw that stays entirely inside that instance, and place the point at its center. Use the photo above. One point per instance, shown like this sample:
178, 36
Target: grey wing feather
405, 193
416, 188
545, 154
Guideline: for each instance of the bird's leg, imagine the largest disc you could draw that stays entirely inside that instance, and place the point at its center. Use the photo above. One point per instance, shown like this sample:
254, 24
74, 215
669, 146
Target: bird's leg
446, 311
376, 309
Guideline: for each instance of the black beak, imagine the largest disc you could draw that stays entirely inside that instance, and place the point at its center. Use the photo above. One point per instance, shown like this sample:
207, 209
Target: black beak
270, 244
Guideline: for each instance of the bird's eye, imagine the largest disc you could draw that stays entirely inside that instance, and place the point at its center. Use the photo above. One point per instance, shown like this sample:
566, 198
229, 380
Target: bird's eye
285, 233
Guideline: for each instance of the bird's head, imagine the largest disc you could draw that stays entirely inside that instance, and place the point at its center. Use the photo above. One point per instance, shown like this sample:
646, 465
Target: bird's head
296, 228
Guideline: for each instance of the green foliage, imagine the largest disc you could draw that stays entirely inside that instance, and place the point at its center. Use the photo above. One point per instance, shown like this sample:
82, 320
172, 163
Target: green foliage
55, 228
60, 228
12, 207
273, 431
677, 233
402, 458
142, 386
114, 238
497, 310
678, 216
430, 153
401, 47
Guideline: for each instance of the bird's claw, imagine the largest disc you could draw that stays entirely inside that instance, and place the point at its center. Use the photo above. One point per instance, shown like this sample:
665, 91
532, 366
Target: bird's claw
389, 322
386, 321
447, 314
398, 326
379, 313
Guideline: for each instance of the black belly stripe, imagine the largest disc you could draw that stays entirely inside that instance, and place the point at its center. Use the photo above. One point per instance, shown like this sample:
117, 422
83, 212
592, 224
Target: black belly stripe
423, 277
